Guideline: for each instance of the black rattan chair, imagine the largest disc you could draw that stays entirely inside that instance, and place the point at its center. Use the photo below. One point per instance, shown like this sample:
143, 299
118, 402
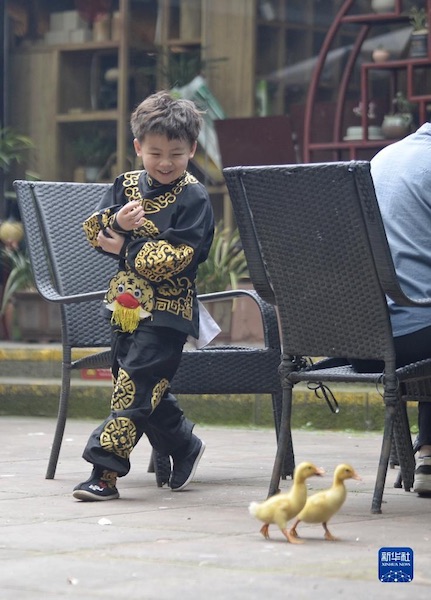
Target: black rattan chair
325, 251
68, 271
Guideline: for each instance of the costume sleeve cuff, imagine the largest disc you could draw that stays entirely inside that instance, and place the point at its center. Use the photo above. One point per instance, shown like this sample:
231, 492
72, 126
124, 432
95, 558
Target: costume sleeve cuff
115, 226
123, 251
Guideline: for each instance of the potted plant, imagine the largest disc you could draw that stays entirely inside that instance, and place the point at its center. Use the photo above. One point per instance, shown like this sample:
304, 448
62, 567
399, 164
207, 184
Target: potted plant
12, 147
36, 319
419, 36
20, 275
92, 150
398, 123
225, 266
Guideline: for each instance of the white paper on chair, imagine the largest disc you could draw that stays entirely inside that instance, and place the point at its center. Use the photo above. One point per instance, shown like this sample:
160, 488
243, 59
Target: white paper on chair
208, 329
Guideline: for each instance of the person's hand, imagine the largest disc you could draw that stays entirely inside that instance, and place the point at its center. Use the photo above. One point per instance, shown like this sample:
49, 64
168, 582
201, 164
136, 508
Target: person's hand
111, 241
131, 215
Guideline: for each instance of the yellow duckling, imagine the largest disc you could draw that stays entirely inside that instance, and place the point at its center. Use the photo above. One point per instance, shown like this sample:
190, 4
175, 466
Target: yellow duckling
279, 509
320, 507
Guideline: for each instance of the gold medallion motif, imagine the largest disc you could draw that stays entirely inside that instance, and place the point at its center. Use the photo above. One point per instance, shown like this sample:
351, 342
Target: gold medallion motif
124, 391
119, 436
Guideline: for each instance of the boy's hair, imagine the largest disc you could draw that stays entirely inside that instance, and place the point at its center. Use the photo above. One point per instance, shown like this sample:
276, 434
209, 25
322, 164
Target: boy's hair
160, 113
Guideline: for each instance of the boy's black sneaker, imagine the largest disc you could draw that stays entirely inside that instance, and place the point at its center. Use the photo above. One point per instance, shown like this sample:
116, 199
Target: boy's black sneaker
100, 486
186, 464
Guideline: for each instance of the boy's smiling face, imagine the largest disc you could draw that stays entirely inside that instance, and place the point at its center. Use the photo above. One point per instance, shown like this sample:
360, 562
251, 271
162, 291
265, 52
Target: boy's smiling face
164, 160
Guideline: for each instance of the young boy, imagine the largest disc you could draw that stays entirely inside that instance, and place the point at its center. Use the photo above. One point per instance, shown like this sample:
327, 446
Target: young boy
158, 223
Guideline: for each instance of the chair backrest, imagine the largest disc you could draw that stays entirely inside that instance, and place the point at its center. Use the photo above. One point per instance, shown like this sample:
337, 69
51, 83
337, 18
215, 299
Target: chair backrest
256, 267
315, 244
61, 257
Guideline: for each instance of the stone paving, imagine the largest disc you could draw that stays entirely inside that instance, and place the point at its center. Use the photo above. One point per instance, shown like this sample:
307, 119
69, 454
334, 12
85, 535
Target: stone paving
154, 544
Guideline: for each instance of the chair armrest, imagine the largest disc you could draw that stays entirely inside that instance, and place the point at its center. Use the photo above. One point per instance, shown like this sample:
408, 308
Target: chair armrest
268, 312
49, 293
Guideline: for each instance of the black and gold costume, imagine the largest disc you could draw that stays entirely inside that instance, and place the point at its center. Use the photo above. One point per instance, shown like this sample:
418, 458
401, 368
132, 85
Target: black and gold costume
152, 305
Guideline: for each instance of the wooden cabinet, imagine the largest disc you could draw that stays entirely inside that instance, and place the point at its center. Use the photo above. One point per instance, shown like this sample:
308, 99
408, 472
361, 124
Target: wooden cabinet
365, 83
74, 98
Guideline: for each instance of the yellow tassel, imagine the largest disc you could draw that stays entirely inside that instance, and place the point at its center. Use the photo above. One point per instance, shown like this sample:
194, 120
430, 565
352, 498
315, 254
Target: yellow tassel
127, 318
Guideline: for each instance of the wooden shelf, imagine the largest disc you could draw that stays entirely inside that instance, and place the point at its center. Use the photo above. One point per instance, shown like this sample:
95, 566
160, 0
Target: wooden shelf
84, 47
88, 116
183, 43
400, 77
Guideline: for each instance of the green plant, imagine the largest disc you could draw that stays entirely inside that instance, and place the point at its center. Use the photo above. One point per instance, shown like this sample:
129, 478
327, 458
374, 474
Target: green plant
93, 148
13, 147
418, 18
401, 106
226, 263
20, 275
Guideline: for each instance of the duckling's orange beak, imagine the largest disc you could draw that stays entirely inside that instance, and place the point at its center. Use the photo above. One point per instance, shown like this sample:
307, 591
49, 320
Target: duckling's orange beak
319, 471
356, 476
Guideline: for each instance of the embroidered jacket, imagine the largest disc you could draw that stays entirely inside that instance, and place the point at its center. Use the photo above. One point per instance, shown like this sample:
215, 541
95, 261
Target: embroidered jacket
159, 260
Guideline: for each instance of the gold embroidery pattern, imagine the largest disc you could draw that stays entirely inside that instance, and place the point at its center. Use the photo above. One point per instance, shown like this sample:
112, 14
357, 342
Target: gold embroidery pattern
119, 436
154, 205
106, 216
130, 185
147, 229
91, 229
158, 260
158, 392
124, 392
180, 306
167, 289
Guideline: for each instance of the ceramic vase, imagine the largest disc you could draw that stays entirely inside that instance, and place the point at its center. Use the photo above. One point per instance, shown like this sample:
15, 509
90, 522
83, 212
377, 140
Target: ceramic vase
396, 126
380, 55
382, 6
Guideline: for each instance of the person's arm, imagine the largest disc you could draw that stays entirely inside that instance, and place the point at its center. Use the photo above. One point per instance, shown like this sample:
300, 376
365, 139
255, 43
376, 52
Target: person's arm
102, 228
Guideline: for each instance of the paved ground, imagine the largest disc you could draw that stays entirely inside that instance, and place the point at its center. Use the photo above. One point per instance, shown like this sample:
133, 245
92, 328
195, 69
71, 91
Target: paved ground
153, 544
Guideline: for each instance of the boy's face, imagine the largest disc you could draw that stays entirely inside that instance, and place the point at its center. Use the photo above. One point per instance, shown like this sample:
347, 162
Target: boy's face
164, 160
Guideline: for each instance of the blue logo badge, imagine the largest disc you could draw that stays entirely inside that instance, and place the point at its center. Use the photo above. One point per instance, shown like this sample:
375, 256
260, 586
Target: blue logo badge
395, 565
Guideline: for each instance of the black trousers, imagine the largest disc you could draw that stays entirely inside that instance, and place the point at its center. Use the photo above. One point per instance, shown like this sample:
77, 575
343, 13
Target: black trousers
408, 349
143, 364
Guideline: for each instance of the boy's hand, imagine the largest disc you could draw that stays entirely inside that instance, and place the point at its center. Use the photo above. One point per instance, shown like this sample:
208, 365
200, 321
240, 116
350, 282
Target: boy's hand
130, 216
112, 242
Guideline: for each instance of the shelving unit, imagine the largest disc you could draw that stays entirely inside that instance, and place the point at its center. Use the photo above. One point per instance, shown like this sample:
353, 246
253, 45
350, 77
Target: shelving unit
409, 75
64, 92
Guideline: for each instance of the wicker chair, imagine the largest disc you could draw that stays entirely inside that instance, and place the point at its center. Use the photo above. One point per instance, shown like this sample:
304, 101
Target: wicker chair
326, 254
68, 271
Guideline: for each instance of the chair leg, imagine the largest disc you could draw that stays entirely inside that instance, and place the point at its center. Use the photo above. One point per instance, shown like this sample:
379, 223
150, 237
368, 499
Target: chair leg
384, 460
61, 417
284, 439
289, 461
404, 449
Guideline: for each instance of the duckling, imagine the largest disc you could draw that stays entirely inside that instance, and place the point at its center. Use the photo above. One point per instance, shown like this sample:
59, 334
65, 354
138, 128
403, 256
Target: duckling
279, 509
320, 507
